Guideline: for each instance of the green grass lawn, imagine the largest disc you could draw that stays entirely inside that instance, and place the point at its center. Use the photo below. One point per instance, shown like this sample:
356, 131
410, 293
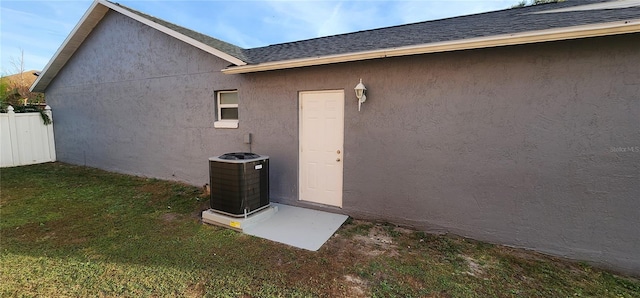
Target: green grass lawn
77, 231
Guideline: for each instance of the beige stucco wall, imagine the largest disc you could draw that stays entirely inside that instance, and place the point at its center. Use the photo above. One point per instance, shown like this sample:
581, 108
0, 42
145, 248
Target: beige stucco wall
518, 145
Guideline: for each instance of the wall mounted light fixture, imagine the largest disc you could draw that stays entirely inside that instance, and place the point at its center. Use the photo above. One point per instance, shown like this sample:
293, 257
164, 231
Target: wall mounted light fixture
360, 90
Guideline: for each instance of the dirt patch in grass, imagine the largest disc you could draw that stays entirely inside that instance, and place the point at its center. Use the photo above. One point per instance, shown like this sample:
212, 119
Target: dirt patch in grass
357, 286
195, 290
475, 269
169, 217
377, 242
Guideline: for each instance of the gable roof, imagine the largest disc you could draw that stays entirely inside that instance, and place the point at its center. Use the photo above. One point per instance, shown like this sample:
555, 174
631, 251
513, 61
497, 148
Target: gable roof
224, 47
99, 9
570, 19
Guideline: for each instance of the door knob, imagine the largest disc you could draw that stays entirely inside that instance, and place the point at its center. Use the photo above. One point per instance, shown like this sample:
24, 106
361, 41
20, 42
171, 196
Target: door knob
338, 159
338, 151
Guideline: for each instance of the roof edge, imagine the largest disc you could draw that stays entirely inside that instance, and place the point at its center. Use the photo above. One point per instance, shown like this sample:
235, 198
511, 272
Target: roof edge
91, 18
175, 34
527, 37
85, 26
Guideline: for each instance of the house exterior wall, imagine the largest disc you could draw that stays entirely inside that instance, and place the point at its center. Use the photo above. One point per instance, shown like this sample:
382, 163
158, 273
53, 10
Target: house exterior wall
518, 145
534, 146
135, 100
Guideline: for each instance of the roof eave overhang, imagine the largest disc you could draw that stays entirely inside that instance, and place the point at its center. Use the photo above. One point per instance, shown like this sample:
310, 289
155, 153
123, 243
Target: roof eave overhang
89, 20
177, 35
566, 33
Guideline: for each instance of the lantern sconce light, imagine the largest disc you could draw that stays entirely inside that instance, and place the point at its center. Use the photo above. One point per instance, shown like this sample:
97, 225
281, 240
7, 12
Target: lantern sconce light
360, 94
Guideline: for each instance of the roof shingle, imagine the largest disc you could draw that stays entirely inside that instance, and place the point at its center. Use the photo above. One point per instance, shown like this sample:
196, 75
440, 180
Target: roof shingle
367, 44
223, 46
508, 21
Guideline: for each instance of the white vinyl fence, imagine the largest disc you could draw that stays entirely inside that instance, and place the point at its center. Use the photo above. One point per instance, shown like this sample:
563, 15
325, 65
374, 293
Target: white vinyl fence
25, 139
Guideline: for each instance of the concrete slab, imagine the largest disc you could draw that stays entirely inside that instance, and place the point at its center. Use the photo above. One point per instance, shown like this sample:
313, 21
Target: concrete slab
238, 224
299, 227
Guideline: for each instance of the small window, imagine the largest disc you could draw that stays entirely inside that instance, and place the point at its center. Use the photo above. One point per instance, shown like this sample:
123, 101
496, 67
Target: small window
227, 109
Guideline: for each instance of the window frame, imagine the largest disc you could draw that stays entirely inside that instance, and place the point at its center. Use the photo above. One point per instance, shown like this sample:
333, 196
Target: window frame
225, 123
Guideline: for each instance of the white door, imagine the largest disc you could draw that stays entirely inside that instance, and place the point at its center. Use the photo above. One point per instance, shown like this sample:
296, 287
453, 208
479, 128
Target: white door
321, 146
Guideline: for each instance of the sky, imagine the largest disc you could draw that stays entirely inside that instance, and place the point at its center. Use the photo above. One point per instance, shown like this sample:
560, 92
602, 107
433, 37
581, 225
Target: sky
34, 30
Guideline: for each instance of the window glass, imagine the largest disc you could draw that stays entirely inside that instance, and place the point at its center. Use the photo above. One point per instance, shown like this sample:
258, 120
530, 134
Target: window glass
228, 113
229, 98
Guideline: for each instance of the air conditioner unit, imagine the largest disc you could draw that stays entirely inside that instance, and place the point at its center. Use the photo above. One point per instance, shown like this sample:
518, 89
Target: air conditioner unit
239, 183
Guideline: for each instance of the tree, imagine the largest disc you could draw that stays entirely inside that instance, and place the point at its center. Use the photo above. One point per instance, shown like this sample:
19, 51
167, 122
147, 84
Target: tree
14, 89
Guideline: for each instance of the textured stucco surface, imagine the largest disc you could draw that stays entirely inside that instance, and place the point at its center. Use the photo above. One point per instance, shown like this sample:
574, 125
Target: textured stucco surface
516, 145
135, 100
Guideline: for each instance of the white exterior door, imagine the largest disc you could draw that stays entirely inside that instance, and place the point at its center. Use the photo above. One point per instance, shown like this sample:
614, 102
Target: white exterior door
321, 146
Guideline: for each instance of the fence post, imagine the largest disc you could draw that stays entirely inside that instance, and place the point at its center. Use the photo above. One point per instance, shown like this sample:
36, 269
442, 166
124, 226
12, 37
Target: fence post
50, 139
13, 137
